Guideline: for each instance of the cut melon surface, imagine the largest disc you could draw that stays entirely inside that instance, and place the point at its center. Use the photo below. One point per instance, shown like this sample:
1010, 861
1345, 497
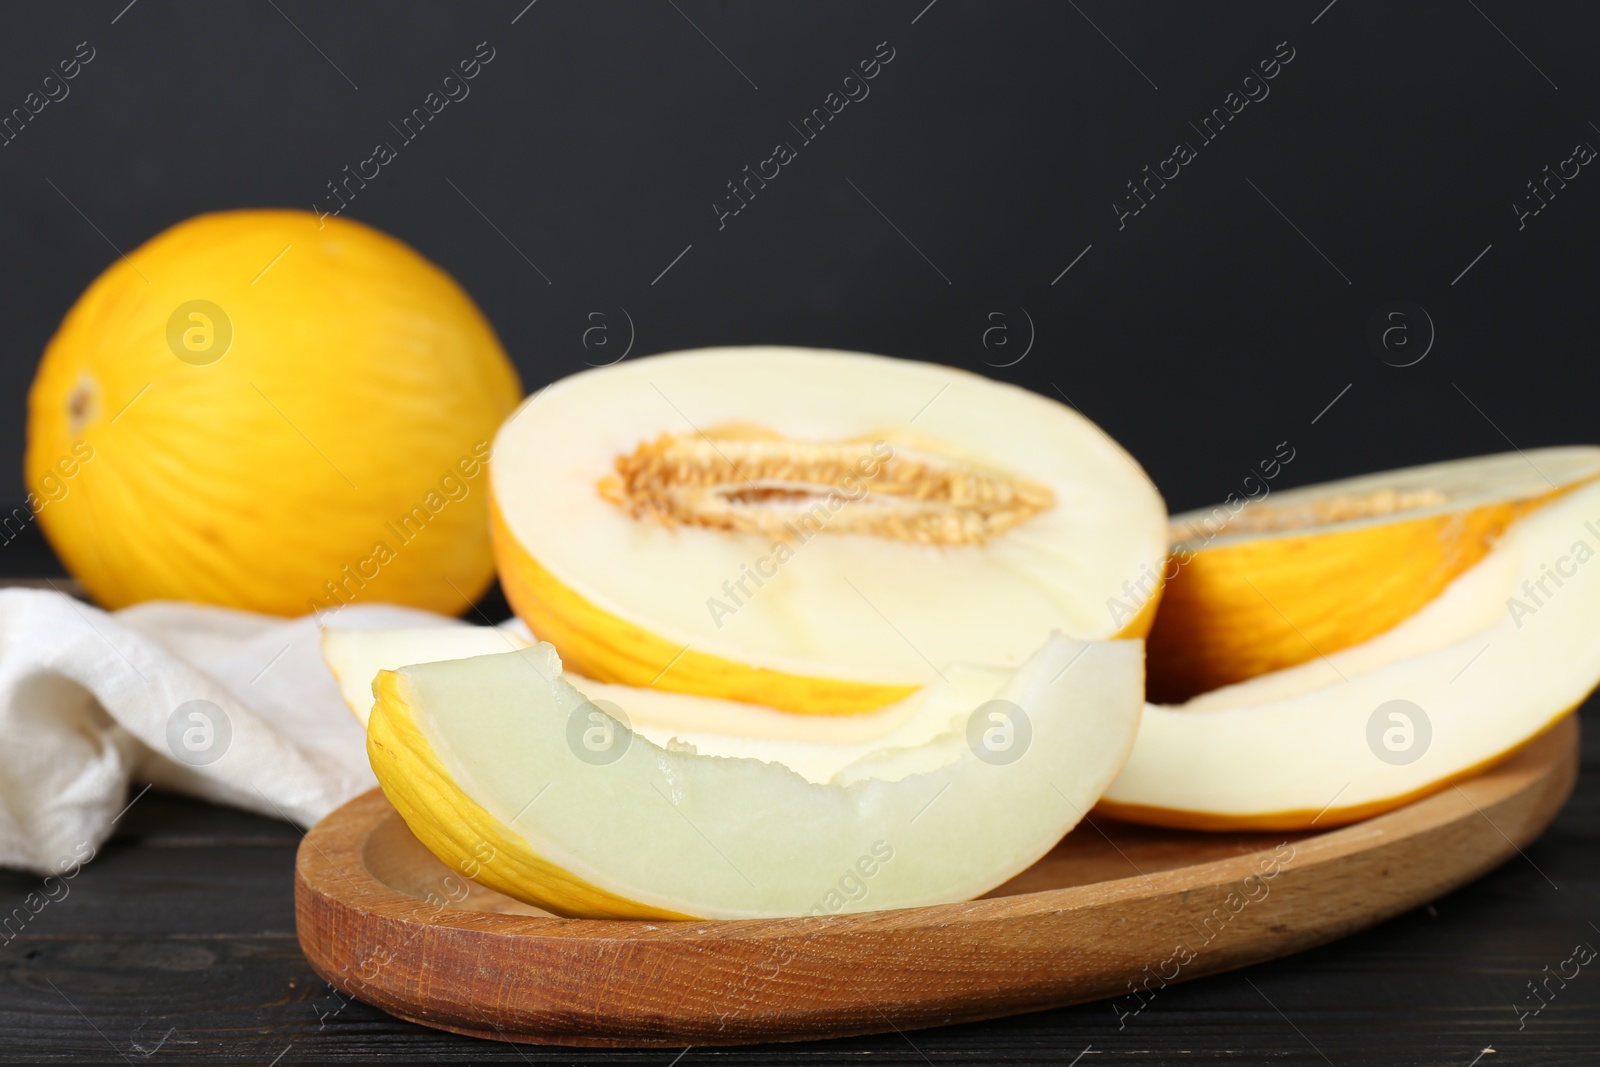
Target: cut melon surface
1255, 586
813, 531
1512, 645
477, 756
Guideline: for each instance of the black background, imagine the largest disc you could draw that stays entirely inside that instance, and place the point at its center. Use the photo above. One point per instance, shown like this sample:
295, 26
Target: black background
1201, 335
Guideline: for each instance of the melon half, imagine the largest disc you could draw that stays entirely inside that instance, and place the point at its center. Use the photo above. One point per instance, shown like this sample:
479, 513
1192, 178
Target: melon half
813, 531
1510, 646
480, 758
1259, 585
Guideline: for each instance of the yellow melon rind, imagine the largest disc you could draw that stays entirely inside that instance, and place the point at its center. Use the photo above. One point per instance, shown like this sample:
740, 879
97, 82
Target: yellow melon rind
1251, 607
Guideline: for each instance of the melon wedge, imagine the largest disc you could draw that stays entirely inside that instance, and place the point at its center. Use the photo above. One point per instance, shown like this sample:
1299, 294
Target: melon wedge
813, 531
474, 754
1508, 648
1256, 586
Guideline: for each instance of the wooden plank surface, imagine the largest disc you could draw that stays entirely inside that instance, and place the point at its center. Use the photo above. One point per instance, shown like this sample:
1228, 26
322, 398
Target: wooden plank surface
183, 929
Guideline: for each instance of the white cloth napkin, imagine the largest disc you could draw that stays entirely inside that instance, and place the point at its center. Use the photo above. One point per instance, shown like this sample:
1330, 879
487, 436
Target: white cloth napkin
225, 705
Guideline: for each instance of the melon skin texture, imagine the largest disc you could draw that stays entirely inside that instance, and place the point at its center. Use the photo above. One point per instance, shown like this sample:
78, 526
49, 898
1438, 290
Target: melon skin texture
333, 452
1497, 659
474, 754
1282, 583
831, 617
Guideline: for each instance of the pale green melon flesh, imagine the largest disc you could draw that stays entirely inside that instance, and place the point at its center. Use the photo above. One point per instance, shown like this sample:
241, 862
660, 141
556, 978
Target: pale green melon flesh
728, 838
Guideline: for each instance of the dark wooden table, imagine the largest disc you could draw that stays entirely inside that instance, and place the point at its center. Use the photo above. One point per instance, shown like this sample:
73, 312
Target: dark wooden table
177, 945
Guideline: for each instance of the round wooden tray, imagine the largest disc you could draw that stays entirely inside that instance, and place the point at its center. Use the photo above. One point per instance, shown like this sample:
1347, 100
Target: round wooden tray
1114, 909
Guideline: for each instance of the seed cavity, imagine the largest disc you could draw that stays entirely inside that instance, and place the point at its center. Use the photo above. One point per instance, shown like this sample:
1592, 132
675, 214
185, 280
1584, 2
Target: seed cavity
749, 480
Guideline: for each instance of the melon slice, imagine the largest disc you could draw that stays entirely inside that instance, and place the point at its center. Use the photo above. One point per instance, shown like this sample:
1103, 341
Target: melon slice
813, 531
1254, 586
476, 755
1504, 652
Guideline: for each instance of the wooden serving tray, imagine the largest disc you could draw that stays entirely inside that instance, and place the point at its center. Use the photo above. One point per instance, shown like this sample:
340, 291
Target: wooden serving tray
1112, 909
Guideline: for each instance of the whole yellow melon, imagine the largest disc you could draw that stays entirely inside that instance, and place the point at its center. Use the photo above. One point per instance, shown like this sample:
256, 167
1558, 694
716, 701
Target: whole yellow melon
268, 411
